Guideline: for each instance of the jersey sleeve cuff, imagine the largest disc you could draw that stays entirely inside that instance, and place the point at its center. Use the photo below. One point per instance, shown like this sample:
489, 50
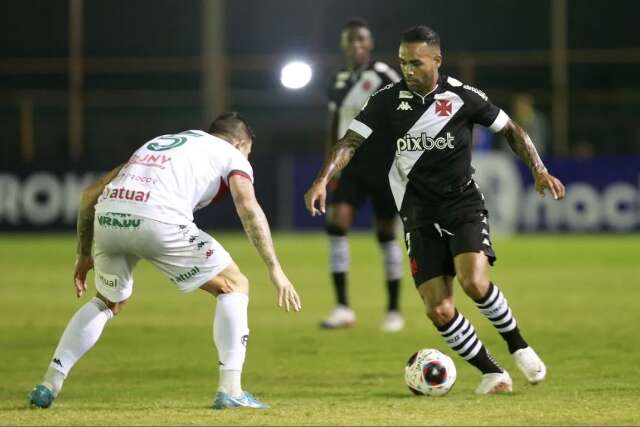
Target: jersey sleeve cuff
240, 173
500, 122
360, 128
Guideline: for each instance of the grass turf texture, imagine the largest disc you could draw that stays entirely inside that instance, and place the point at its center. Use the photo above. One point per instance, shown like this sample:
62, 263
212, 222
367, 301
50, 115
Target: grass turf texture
576, 298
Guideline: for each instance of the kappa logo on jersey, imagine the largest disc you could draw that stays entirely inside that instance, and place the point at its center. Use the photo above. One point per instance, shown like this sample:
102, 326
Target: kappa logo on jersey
443, 108
423, 142
244, 340
404, 106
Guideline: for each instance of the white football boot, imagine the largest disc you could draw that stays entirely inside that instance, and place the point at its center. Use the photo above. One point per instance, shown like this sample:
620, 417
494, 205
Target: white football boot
393, 322
341, 317
531, 365
495, 383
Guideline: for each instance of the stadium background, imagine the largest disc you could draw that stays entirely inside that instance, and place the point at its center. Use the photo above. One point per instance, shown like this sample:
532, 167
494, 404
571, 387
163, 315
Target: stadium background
83, 83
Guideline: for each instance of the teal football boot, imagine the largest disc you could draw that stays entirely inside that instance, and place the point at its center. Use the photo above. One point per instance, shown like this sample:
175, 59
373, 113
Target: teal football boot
41, 396
226, 401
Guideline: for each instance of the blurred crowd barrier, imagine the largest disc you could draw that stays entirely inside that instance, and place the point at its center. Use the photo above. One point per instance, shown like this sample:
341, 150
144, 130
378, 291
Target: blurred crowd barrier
603, 195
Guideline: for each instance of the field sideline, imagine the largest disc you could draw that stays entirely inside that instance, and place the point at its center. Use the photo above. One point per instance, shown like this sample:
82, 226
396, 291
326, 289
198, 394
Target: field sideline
576, 298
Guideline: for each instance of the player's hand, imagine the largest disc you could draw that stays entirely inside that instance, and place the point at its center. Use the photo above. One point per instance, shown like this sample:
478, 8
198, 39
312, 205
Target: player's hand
316, 193
84, 264
544, 180
287, 296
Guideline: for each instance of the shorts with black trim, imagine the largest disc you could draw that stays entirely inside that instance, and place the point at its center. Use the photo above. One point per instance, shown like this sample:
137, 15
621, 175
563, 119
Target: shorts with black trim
433, 247
357, 183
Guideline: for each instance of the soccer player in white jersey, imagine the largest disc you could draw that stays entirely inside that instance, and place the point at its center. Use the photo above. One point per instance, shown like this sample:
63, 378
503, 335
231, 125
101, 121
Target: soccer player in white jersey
144, 210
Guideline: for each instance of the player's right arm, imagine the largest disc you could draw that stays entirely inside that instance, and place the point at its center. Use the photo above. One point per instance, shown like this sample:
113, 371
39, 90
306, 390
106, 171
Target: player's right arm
86, 212
339, 156
256, 226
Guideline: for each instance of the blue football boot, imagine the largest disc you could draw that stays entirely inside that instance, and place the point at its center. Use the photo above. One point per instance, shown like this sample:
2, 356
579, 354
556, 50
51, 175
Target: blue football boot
226, 401
41, 396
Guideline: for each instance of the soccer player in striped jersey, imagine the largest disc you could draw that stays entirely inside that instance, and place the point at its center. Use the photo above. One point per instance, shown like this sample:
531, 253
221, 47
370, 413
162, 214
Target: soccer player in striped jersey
427, 118
363, 178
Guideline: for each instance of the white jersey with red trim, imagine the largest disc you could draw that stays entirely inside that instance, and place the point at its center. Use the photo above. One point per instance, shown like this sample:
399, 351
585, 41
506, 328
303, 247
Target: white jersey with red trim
172, 175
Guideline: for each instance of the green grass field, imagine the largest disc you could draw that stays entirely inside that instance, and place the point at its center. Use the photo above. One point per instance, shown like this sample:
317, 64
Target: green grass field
577, 300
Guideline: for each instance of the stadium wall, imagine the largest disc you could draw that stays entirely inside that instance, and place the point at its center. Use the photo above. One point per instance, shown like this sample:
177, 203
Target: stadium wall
603, 195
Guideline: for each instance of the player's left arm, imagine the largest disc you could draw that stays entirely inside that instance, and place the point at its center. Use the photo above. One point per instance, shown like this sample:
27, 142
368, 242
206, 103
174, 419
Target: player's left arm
86, 212
521, 144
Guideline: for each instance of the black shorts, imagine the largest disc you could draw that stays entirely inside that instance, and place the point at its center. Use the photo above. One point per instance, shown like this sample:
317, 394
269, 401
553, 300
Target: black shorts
356, 184
432, 248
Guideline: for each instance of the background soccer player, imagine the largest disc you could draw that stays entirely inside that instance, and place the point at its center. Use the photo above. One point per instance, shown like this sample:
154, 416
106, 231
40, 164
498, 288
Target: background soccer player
430, 118
364, 177
145, 210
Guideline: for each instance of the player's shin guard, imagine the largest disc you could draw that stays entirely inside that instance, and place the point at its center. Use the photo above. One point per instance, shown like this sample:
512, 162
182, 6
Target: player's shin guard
82, 332
340, 261
461, 337
496, 308
393, 269
230, 335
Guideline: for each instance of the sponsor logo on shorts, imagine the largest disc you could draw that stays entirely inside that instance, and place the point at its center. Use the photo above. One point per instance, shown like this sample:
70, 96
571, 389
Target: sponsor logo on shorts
423, 142
107, 221
123, 193
110, 282
185, 276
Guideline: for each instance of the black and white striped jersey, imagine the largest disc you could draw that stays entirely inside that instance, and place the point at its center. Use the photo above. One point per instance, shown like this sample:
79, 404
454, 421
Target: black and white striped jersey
351, 89
432, 139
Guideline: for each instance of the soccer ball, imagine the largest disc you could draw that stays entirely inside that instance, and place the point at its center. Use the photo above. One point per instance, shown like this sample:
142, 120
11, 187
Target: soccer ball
430, 372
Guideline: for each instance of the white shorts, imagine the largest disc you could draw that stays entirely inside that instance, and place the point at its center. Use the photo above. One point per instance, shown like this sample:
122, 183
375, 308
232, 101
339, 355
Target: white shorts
188, 256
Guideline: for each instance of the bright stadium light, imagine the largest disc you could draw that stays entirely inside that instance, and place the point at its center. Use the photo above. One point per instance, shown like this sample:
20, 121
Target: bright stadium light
295, 75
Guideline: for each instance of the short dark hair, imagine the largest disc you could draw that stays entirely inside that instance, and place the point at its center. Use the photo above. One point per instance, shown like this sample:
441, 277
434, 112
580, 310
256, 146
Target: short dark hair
231, 124
421, 33
356, 23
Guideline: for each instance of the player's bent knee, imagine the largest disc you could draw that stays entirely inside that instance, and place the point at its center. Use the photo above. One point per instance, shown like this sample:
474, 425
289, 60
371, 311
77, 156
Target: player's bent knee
441, 314
474, 285
115, 307
228, 281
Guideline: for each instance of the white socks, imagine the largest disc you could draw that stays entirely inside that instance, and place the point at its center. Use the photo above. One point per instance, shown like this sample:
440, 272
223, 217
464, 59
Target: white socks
339, 254
230, 335
392, 255
82, 332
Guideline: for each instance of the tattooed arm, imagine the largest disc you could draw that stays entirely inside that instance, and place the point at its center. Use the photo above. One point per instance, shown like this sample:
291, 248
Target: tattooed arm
256, 226
522, 145
86, 211
339, 156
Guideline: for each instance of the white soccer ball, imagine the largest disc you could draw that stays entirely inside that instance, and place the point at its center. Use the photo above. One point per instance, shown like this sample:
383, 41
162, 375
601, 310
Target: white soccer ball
430, 373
